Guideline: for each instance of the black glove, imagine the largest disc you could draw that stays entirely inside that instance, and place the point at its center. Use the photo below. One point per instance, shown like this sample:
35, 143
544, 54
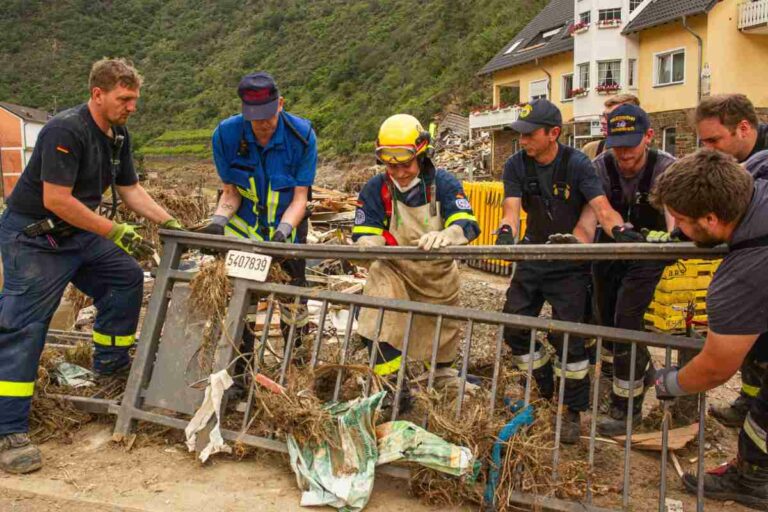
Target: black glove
505, 235
215, 226
282, 232
667, 386
626, 234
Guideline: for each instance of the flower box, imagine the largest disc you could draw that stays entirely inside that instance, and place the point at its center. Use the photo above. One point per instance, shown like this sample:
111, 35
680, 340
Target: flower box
607, 89
579, 92
609, 24
578, 28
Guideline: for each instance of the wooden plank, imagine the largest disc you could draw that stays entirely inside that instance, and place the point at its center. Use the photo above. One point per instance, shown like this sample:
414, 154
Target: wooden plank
678, 438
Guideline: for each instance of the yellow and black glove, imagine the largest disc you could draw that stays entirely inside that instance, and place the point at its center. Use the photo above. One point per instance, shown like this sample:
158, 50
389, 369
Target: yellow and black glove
173, 224
126, 238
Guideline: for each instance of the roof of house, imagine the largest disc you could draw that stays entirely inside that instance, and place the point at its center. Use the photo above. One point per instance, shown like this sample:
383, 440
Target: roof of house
659, 12
26, 113
454, 122
530, 43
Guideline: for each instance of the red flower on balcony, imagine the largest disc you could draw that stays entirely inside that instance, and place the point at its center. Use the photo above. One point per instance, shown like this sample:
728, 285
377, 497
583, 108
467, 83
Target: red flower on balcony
579, 91
607, 88
578, 27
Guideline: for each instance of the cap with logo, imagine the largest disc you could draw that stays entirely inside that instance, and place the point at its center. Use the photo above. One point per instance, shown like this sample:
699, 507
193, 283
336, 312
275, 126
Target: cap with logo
627, 125
260, 96
537, 114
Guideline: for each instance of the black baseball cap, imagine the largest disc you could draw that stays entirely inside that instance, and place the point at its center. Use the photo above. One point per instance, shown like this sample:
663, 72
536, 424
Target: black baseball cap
260, 96
537, 114
627, 125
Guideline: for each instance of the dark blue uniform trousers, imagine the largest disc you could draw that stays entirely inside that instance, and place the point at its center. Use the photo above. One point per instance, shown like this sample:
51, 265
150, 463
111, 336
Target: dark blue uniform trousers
36, 272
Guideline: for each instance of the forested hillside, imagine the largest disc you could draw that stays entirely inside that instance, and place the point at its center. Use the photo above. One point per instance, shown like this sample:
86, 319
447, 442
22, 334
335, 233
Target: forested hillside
345, 64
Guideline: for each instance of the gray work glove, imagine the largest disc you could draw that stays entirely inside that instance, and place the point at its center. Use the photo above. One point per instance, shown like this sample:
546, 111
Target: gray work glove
282, 232
452, 235
562, 238
215, 226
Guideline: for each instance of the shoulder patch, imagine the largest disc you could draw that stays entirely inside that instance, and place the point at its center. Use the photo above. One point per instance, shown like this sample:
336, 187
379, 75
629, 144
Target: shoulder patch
62, 149
463, 204
359, 217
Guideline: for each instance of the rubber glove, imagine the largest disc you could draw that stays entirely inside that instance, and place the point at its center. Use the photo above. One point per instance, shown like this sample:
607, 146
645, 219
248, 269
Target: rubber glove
215, 226
452, 235
172, 224
126, 238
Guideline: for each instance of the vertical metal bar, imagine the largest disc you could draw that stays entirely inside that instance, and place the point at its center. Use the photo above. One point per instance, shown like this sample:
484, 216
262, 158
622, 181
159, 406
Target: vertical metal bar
700, 465
257, 361
403, 365
265, 331
496, 369
435, 346
288, 351
529, 375
464, 367
344, 349
560, 398
319, 335
593, 421
664, 442
374, 352
630, 411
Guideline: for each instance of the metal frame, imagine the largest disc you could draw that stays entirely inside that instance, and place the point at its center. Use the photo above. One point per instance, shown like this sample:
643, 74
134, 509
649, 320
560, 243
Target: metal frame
131, 407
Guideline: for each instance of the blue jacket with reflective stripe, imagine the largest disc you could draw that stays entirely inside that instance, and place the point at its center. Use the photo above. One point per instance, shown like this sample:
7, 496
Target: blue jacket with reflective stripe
265, 177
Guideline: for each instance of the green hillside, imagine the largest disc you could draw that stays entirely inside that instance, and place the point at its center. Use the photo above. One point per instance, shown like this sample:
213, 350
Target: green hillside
346, 65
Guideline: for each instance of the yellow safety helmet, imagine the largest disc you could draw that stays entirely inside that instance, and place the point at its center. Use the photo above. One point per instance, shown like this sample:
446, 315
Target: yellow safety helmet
401, 139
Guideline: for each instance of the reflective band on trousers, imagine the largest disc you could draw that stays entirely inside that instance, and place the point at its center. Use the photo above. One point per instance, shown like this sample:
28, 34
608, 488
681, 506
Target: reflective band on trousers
575, 371
622, 388
539, 360
750, 391
389, 367
16, 389
606, 357
756, 433
110, 340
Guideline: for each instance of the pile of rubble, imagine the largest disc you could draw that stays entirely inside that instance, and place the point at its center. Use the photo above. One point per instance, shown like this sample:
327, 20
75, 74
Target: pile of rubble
466, 159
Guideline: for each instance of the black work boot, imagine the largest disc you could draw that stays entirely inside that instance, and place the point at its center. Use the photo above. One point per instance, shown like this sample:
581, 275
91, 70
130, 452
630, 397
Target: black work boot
615, 423
570, 430
733, 414
734, 481
18, 455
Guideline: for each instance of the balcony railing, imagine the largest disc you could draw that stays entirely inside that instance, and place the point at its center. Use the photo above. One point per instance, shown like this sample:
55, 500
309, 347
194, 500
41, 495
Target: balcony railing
753, 15
494, 118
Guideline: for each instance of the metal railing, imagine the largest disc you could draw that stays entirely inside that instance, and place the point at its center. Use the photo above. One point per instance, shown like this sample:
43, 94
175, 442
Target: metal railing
245, 292
753, 14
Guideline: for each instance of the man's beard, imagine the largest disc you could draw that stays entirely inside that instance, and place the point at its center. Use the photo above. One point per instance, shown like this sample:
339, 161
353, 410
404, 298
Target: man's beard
708, 243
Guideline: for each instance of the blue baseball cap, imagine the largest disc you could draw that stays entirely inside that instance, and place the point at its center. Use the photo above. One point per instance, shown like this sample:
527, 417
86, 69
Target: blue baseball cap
537, 114
627, 125
260, 96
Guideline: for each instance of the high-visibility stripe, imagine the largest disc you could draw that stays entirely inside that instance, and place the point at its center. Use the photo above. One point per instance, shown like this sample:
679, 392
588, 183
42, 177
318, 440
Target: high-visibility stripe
756, 433
751, 391
539, 360
606, 357
367, 230
273, 199
389, 367
575, 371
16, 389
110, 340
229, 230
459, 216
623, 388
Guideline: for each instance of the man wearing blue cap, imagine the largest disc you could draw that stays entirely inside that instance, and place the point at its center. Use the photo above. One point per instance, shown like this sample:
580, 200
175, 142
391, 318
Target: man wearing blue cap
266, 159
554, 184
624, 288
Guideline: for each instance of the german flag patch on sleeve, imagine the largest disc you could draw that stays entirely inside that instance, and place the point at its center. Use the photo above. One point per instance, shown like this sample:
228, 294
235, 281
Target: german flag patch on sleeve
62, 149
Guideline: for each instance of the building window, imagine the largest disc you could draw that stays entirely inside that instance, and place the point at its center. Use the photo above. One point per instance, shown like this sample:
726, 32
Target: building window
609, 73
584, 76
669, 142
538, 90
567, 85
634, 4
609, 15
631, 73
670, 67
571, 140
585, 17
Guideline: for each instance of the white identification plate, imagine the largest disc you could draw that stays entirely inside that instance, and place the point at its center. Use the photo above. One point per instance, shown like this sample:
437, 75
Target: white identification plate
247, 265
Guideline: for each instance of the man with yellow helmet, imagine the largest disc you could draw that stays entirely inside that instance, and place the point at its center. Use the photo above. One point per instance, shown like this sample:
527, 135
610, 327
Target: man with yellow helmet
413, 204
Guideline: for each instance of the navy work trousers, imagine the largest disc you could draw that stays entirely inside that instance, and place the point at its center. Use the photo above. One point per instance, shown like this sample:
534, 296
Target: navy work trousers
36, 272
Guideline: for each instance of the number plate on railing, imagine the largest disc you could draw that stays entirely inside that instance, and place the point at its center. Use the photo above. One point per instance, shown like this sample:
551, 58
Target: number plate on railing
247, 265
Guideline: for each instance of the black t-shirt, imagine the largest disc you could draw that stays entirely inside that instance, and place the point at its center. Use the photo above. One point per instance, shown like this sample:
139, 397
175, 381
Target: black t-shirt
72, 151
737, 297
762, 139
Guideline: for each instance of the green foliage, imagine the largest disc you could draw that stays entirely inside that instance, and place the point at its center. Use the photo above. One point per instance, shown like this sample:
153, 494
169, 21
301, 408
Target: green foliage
344, 65
203, 134
200, 150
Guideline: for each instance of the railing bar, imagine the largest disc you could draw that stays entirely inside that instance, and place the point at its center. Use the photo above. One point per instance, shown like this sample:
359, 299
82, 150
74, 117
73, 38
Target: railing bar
700, 465
496, 369
529, 371
435, 347
257, 360
374, 352
664, 442
560, 407
464, 368
403, 366
593, 421
319, 335
344, 350
630, 413
288, 352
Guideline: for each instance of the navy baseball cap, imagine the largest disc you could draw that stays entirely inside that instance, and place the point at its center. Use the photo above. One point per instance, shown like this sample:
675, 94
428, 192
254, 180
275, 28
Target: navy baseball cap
627, 125
537, 114
260, 96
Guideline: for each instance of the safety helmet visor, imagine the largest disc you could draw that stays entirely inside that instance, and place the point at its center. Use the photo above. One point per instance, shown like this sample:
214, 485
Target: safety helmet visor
396, 155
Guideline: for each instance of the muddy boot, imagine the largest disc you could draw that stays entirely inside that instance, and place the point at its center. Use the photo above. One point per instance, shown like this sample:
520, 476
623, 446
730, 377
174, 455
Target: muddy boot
18, 455
734, 481
733, 414
615, 422
570, 430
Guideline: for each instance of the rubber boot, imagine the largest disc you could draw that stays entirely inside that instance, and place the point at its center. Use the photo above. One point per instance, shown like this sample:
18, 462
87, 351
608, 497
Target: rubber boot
570, 430
736, 482
733, 414
18, 455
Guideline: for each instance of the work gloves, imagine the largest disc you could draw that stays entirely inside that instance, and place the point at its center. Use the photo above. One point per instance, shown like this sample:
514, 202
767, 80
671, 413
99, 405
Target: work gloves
126, 238
452, 235
659, 237
626, 234
172, 224
215, 226
562, 238
282, 232
667, 384
505, 235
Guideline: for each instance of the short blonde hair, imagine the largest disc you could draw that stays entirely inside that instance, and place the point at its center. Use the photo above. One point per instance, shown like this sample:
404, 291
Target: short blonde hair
622, 99
106, 74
